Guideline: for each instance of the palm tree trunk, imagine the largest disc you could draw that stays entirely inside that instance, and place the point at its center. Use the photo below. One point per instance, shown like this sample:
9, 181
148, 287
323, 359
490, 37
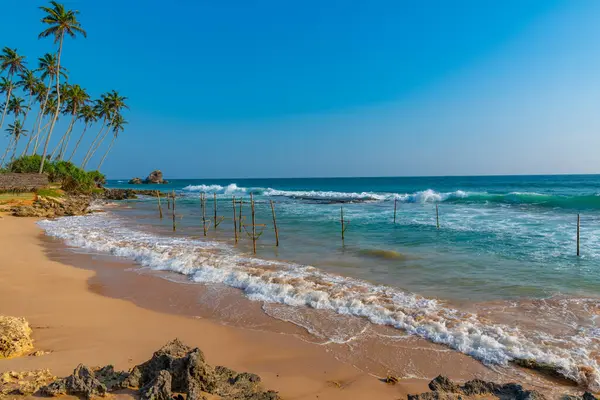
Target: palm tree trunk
68, 135
107, 151
89, 153
78, 142
95, 148
8, 146
41, 115
25, 119
15, 148
7, 100
62, 36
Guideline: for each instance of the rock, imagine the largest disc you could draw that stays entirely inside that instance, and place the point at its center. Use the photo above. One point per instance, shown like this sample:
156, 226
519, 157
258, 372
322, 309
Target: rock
443, 384
24, 383
159, 388
155, 177
135, 181
110, 378
50, 207
15, 337
82, 382
443, 388
119, 194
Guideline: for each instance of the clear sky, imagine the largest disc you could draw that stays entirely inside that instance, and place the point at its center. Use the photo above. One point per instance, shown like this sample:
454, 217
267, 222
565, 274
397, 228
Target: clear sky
271, 88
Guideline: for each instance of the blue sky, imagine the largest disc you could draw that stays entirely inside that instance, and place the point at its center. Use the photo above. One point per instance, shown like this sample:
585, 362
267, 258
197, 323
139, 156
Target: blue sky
270, 88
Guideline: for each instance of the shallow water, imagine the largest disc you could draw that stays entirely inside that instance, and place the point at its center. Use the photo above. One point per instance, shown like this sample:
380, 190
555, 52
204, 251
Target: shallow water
499, 280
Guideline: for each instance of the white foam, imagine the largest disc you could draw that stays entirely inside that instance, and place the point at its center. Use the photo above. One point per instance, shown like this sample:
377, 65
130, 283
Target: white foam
229, 189
306, 286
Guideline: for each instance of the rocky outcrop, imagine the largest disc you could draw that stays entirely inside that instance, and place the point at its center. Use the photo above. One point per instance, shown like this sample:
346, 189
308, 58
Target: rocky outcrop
174, 369
155, 177
15, 337
135, 181
443, 388
24, 383
50, 207
83, 383
126, 194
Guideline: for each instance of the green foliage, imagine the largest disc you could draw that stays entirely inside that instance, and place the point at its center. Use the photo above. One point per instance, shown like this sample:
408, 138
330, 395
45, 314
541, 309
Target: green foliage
70, 177
49, 192
27, 164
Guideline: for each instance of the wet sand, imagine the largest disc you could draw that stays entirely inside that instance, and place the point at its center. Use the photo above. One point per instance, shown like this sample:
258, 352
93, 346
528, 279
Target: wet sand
95, 310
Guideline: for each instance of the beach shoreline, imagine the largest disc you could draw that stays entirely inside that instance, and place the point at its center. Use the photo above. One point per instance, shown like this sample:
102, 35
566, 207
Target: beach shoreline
75, 301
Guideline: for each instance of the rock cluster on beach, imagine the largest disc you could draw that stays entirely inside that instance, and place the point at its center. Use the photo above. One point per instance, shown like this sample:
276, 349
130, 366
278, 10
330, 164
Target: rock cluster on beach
50, 207
155, 177
443, 388
173, 371
15, 337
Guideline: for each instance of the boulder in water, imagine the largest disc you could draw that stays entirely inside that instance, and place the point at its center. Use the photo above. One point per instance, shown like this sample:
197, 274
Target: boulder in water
135, 181
155, 177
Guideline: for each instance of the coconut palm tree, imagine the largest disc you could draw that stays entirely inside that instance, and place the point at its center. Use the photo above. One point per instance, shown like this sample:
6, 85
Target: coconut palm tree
39, 95
16, 131
13, 63
75, 98
88, 115
108, 107
118, 125
62, 22
48, 66
28, 83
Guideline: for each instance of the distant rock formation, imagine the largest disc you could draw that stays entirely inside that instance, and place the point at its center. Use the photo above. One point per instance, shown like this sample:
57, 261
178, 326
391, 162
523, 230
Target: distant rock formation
155, 177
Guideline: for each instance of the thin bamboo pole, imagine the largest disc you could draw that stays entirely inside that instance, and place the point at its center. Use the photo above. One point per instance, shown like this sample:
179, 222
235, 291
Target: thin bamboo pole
437, 216
203, 206
395, 206
159, 206
275, 225
578, 229
342, 221
253, 223
240, 215
215, 207
235, 231
174, 226
168, 201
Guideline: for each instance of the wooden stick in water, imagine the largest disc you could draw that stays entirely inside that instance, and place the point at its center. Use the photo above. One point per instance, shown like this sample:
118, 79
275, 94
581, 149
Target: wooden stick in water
437, 216
235, 231
342, 221
215, 207
578, 220
275, 224
168, 201
395, 205
240, 215
203, 206
174, 227
253, 223
159, 206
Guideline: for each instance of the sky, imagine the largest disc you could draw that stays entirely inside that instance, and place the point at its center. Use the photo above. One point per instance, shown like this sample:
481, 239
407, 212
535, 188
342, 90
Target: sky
271, 88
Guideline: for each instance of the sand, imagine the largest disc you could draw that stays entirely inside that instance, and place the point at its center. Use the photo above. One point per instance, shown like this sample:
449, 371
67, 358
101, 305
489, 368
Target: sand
78, 325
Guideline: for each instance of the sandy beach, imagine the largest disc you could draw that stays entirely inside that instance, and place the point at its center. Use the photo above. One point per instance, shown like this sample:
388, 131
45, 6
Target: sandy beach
79, 326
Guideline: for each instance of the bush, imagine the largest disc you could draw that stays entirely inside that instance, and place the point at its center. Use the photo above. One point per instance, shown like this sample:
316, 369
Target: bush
70, 177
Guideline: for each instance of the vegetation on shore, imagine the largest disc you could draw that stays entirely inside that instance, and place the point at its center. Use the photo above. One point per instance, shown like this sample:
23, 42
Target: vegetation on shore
71, 178
47, 90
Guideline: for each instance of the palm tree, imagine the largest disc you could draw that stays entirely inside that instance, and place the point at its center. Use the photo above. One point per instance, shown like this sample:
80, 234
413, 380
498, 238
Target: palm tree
16, 107
75, 97
12, 62
37, 94
108, 107
118, 125
41, 96
28, 83
16, 131
88, 115
48, 66
61, 22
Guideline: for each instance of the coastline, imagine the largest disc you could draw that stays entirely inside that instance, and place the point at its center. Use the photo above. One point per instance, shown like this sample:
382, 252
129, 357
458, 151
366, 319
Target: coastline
104, 314
78, 325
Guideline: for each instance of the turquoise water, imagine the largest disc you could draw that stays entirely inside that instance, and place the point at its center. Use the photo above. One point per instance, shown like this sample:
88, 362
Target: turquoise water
500, 237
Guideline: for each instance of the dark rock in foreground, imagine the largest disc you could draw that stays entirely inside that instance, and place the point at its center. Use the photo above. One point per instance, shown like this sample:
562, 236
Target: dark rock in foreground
443, 388
174, 369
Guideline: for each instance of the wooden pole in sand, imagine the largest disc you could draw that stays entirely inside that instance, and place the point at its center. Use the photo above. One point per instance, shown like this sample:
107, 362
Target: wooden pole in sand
253, 223
235, 231
437, 216
275, 225
578, 220
174, 227
159, 206
395, 206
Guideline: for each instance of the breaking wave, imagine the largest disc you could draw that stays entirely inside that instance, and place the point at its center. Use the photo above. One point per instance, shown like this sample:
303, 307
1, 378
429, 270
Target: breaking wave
591, 202
306, 286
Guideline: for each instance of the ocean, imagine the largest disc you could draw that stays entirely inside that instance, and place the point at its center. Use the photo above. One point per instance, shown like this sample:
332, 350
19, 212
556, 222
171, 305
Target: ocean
499, 279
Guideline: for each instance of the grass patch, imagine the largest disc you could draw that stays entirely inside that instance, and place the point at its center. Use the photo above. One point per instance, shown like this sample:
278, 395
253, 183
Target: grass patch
50, 192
